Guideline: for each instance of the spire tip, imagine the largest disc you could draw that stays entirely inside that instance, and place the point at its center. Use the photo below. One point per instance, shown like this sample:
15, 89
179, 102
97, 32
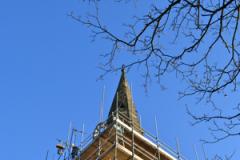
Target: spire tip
123, 68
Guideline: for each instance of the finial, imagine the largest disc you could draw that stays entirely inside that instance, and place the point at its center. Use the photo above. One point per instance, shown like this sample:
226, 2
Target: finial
123, 68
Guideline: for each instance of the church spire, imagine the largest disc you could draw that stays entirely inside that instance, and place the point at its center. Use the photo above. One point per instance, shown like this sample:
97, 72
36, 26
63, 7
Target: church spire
123, 102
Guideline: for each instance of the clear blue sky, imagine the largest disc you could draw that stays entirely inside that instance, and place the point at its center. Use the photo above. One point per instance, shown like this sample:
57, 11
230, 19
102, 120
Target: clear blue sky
48, 72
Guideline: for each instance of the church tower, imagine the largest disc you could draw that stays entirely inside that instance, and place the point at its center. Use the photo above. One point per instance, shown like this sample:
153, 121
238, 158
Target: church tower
121, 136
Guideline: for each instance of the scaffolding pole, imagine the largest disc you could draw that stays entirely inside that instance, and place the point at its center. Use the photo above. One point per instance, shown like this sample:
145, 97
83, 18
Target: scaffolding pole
157, 141
132, 124
178, 149
133, 149
99, 146
116, 132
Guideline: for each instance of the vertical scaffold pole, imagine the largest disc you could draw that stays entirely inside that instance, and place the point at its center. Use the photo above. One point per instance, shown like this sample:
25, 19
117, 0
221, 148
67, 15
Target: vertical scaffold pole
157, 139
133, 143
99, 146
116, 128
69, 133
102, 105
100, 122
178, 149
204, 153
46, 158
81, 140
70, 143
132, 124
117, 108
69, 140
196, 154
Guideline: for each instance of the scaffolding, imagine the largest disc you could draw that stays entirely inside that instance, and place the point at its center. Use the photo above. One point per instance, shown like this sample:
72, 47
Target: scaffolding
119, 140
